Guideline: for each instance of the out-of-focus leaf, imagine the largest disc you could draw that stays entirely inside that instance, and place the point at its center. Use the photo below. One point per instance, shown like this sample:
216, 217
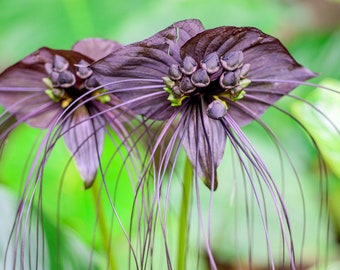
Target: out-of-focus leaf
73, 253
74, 208
325, 128
8, 206
68, 251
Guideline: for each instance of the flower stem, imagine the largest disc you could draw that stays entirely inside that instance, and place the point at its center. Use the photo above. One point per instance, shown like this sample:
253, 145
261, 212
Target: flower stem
183, 225
104, 231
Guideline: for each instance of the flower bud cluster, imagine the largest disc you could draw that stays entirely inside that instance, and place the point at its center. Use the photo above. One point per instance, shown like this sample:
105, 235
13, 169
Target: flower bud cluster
66, 84
214, 75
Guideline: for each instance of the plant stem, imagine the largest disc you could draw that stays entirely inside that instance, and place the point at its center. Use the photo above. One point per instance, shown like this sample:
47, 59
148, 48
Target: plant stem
183, 227
104, 231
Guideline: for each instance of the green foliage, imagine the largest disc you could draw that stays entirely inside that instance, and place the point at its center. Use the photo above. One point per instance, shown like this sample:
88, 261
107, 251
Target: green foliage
324, 127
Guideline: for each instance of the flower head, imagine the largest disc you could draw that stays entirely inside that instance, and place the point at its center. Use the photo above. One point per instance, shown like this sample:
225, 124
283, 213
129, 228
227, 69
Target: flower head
57, 86
214, 80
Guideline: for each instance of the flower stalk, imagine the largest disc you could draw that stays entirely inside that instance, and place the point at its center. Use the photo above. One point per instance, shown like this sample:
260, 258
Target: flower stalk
104, 231
183, 223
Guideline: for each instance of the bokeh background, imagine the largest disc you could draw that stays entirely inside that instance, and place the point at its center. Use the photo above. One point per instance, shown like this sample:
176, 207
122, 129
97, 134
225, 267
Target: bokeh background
310, 29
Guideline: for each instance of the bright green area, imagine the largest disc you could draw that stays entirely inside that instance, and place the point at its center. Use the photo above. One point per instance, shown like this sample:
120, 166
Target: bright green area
70, 211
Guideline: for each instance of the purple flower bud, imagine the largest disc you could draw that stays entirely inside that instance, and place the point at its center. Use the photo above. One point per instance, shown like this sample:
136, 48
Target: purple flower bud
232, 60
217, 109
59, 63
66, 79
175, 72
200, 78
211, 63
189, 65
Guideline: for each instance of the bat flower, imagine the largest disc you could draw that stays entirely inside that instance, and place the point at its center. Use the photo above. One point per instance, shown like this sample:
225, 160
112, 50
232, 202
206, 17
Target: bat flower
208, 82
50, 86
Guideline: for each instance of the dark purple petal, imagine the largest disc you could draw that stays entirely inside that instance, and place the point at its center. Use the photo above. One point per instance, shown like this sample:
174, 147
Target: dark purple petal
221, 40
22, 90
204, 142
96, 48
149, 59
84, 138
269, 61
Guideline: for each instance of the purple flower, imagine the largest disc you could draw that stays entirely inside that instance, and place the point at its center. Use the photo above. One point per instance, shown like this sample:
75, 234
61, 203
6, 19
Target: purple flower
207, 82
202, 86
49, 87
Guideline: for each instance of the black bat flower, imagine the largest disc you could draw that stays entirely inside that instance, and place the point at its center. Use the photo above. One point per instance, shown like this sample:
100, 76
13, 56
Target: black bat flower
57, 86
213, 80
202, 86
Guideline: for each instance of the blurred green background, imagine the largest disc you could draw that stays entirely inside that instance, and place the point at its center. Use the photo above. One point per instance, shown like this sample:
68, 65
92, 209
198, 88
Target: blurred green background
311, 31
